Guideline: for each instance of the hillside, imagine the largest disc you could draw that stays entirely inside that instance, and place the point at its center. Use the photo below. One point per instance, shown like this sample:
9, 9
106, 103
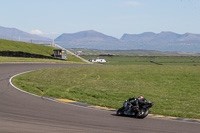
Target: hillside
18, 35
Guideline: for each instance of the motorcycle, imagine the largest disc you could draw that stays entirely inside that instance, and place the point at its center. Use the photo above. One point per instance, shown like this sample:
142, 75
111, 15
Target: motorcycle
129, 109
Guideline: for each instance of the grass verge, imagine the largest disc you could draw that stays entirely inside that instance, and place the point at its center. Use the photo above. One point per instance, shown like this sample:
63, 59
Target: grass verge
35, 60
71, 59
174, 89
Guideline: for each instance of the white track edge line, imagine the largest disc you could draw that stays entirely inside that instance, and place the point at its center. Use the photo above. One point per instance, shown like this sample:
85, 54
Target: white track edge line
10, 80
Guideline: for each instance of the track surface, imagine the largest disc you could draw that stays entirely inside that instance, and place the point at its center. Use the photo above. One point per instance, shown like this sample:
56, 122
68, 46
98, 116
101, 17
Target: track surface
23, 113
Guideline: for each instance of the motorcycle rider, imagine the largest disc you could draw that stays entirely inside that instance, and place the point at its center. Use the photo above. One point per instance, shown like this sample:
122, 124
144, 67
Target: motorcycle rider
135, 102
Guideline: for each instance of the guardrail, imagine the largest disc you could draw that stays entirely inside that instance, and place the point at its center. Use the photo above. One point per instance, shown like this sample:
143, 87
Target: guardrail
23, 54
71, 53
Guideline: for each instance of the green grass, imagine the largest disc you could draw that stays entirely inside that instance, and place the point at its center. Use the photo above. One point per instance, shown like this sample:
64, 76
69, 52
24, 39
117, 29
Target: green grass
174, 89
146, 60
7, 45
131, 52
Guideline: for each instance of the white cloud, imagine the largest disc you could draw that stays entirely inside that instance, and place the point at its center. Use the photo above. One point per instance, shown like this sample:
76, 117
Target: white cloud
132, 3
45, 34
36, 31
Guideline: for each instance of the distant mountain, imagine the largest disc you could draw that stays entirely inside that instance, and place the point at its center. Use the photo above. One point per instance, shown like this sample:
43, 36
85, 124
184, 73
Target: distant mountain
86, 36
164, 41
162, 37
18, 35
190, 38
87, 39
144, 37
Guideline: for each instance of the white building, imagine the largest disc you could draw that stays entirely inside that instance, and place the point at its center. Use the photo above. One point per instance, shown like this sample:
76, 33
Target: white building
98, 60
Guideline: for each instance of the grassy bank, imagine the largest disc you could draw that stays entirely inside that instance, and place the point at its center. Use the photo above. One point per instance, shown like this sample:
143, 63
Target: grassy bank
7, 45
174, 89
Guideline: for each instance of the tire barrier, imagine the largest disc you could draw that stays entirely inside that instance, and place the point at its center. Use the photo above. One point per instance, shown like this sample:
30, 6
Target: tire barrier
24, 54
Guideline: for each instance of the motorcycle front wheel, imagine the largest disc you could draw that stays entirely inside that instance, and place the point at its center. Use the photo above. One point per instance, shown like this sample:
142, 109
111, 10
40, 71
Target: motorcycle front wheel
143, 113
120, 111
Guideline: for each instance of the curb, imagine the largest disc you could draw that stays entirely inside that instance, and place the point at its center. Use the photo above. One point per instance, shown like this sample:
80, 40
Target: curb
110, 109
84, 104
174, 118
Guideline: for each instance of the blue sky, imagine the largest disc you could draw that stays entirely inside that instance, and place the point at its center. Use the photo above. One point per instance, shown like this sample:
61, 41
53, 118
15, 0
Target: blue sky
112, 17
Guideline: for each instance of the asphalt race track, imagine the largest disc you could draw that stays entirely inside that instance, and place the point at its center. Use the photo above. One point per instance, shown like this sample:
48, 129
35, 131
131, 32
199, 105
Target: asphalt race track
24, 113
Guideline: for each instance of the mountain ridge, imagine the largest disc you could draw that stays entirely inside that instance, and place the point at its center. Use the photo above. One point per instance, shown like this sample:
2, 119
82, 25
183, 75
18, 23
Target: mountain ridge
163, 41
164, 36
91, 39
